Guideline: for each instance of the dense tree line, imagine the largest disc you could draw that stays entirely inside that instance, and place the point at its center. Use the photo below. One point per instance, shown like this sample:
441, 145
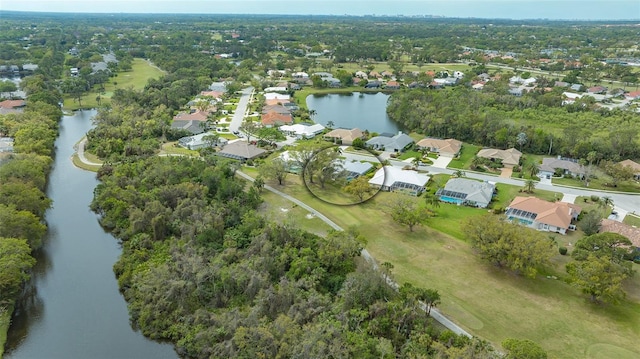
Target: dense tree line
23, 179
202, 268
495, 119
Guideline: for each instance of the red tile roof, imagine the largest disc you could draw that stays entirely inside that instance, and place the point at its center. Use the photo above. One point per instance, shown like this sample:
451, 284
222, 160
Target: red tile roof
12, 103
274, 118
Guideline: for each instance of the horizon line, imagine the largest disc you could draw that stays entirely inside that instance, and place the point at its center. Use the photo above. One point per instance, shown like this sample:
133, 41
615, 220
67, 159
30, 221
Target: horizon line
302, 14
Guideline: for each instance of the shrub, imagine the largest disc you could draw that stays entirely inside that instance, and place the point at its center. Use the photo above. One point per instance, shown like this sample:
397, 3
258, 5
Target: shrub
595, 198
563, 251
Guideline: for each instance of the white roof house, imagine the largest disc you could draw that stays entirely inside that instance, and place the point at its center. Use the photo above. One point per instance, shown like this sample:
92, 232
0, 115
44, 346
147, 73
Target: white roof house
302, 131
276, 89
390, 178
198, 141
276, 96
300, 75
520, 80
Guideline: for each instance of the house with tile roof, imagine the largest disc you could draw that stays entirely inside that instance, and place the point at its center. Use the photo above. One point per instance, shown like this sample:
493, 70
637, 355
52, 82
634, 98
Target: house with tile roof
343, 136
464, 191
13, 104
277, 109
509, 158
567, 166
397, 143
630, 232
274, 118
634, 166
543, 215
194, 122
241, 150
448, 148
633, 95
394, 179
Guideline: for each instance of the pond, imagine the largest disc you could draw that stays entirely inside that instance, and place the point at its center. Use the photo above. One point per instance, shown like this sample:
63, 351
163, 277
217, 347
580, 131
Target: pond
366, 111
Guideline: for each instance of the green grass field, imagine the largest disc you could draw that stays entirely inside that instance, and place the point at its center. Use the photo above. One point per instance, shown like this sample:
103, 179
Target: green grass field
632, 220
137, 78
5, 321
466, 156
599, 184
489, 302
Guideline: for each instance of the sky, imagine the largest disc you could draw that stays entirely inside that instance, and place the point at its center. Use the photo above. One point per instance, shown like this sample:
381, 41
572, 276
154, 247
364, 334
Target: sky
511, 9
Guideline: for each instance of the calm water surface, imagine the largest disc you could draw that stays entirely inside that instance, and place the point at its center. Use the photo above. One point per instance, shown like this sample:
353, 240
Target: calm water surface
366, 111
72, 307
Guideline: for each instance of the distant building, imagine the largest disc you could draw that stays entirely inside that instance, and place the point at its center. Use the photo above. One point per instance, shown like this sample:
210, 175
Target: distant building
448, 148
397, 143
302, 131
567, 166
242, 151
199, 141
344, 136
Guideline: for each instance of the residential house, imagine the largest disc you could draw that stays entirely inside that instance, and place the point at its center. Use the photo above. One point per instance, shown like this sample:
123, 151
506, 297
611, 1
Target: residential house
373, 85
576, 87
458, 74
392, 85
200, 141
355, 169
241, 150
567, 166
394, 179
6, 144
464, 191
447, 81
386, 73
283, 110
561, 84
597, 90
478, 86
282, 89
570, 97
29, 67
543, 215
516, 91
274, 118
509, 158
214, 94
194, 122
519, 80
13, 104
447, 148
300, 75
301, 131
634, 166
397, 143
362, 75
343, 136
633, 95
484, 76
631, 232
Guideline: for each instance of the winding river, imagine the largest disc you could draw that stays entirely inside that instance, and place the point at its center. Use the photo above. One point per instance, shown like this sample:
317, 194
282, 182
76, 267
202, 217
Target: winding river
72, 307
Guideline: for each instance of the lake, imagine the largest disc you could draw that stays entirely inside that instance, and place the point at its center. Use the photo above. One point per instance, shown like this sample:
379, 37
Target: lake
366, 111
72, 308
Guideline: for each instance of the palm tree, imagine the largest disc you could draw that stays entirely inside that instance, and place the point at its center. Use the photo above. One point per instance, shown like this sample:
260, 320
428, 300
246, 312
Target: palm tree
529, 185
330, 124
605, 202
312, 113
416, 161
531, 167
521, 139
431, 200
458, 173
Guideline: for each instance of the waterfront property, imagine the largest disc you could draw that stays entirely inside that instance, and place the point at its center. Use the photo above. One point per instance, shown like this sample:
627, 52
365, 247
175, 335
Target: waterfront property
447, 148
509, 158
464, 191
397, 143
343, 136
543, 215
394, 179
301, 131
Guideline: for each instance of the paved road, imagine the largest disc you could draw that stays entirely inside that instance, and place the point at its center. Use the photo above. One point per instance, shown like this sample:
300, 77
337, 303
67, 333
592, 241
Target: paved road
241, 110
435, 313
81, 156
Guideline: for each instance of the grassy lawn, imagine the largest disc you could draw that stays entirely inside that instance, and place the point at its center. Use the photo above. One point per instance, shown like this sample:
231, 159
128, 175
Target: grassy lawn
410, 154
76, 162
632, 220
172, 148
5, 321
466, 156
506, 194
137, 78
599, 184
489, 302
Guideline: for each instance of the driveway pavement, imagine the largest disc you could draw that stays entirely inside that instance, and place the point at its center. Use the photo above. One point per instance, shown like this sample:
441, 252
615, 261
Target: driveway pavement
441, 162
569, 198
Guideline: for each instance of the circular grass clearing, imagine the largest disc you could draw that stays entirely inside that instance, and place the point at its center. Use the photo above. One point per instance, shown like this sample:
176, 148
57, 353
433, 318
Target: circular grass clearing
607, 351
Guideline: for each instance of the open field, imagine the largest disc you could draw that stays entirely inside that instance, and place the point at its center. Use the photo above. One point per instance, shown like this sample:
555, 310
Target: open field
5, 321
466, 156
632, 220
599, 183
489, 302
137, 78
172, 148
